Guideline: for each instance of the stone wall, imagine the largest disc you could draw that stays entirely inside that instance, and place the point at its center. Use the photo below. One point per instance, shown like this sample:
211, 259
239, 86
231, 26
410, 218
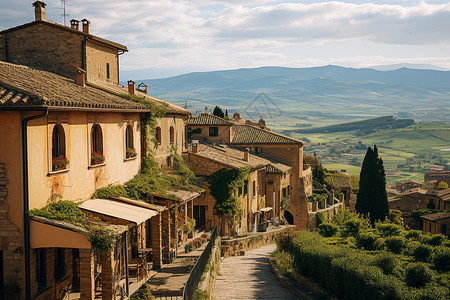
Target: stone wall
238, 246
11, 244
210, 276
330, 212
44, 46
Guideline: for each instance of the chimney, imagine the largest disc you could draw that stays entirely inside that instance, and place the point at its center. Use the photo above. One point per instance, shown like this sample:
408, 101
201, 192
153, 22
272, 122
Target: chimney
75, 24
131, 87
142, 87
194, 146
86, 23
246, 151
39, 10
206, 110
81, 77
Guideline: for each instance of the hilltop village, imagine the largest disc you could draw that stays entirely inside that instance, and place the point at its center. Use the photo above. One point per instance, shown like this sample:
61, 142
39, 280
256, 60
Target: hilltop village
103, 185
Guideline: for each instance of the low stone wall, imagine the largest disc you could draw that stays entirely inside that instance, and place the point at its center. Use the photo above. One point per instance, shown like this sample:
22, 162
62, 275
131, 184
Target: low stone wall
330, 212
207, 284
238, 246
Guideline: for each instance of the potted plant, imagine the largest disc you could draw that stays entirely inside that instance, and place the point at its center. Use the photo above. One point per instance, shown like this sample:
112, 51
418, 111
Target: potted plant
130, 153
59, 163
97, 158
187, 248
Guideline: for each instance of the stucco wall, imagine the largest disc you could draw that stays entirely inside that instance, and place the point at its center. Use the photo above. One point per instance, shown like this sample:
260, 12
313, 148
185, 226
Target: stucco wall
163, 150
81, 180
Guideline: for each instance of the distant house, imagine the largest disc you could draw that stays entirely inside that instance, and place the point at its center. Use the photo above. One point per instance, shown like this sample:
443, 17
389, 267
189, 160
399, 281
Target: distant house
434, 177
268, 182
436, 223
289, 151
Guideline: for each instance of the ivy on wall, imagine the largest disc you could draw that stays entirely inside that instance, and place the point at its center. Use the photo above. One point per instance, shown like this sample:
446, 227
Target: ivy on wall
222, 183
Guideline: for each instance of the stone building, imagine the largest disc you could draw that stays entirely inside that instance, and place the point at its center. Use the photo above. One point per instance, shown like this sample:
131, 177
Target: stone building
434, 177
287, 150
68, 130
260, 197
436, 223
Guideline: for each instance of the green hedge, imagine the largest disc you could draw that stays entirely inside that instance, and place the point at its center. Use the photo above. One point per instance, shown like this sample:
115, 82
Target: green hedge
350, 273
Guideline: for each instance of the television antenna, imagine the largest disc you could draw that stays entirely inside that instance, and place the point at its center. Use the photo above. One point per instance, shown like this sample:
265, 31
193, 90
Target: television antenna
64, 14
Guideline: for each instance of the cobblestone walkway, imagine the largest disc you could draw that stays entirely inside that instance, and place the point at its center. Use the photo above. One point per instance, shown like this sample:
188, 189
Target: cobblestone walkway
249, 277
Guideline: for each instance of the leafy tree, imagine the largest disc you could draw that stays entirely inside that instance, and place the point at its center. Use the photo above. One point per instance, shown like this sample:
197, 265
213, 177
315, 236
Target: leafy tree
218, 112
372, 197
443, 185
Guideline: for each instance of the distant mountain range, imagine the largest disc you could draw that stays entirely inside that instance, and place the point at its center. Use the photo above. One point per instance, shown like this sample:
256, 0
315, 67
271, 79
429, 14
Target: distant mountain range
318, 95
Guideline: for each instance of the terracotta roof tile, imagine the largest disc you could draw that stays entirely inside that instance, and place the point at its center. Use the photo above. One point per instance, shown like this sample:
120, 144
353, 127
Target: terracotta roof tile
341, 182
246, 135
277, 168
436, 216
26, 86
208, 119
120, 89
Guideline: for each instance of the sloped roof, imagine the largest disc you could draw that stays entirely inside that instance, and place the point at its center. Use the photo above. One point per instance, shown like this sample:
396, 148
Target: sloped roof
417, 190
207, 119
69, 29
249, 135
341, 181
230, 157
436, 216
22, 86
277, 168
120, 89
444, 195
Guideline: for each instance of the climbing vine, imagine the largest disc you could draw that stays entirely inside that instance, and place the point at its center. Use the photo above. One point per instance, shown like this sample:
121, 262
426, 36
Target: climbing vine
222, 183
157, 111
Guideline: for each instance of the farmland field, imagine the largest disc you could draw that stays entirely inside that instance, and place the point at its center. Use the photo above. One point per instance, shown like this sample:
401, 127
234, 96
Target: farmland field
407, 152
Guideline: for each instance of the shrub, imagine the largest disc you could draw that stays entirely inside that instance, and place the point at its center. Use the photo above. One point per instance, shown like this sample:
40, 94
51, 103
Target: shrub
143, 293
110, 191
284, 242
386, 262
414, 235
352, 227
418, 275
321, 217
367, 240
395, 244
380, 243
436, 239
327, 229
284, 261
200, 295
442, 258
423, 252
388, 229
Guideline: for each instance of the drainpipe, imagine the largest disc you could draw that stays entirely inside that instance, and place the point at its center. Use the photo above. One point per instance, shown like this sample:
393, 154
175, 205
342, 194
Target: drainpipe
26, 204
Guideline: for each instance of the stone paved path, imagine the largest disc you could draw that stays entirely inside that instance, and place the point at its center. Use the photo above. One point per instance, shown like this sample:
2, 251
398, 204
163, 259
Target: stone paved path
249, 277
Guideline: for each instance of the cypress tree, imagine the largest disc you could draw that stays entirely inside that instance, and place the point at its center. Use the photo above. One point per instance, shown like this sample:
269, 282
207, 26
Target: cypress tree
218, 112
372, 197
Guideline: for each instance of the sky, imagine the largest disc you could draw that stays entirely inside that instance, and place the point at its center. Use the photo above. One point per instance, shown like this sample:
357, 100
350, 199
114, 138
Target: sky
170, 37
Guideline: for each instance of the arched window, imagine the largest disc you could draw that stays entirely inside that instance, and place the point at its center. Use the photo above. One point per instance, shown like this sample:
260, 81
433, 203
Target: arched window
172, 135
97, 156
58, 141
59, 160
158, 134
129, 137
97, 138
130, 152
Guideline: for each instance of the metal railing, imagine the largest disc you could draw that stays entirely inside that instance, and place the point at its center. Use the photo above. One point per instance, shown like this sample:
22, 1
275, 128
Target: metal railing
199, 267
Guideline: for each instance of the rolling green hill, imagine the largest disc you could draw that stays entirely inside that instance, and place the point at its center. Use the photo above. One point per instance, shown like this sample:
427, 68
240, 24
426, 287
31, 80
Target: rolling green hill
319, 96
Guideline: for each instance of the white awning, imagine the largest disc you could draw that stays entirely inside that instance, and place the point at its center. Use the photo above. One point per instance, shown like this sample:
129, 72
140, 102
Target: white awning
123, 211
266, 209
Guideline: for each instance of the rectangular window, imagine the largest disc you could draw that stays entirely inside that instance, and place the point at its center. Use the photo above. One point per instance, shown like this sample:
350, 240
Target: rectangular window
107, 70
246, 187
240, 191
213, 131
41, 266
254, 188
284, 192
60, 264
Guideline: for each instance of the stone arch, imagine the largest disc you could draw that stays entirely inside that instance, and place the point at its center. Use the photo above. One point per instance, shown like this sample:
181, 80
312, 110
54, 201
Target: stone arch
289, 217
